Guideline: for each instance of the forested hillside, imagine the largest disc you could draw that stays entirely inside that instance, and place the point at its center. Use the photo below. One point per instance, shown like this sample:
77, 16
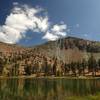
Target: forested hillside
67, 56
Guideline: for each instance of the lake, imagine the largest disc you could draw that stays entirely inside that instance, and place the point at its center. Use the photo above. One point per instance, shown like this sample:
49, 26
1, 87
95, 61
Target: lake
50, 89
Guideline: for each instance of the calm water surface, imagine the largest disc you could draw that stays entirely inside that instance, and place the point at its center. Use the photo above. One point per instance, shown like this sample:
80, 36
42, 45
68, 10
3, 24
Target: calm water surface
49, 89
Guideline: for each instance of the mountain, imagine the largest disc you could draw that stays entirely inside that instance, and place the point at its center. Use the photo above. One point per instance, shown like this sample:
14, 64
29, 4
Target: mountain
67, 50
70, 49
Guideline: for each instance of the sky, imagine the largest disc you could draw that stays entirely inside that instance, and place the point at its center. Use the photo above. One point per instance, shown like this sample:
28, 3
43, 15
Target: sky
33, 22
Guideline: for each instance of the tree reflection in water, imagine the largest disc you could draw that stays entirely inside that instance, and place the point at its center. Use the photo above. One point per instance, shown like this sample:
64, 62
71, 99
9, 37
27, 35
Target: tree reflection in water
47, 89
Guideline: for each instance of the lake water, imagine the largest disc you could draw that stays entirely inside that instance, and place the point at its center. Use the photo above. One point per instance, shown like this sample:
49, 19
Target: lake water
49, 89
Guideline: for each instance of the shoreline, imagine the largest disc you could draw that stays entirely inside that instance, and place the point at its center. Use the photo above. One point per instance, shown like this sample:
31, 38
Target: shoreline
48, 77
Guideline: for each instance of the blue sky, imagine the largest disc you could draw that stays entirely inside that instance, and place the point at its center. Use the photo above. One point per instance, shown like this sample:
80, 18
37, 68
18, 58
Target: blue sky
81, 17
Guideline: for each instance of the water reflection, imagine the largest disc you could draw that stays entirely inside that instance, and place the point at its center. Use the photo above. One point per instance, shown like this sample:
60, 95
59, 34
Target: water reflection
46, 89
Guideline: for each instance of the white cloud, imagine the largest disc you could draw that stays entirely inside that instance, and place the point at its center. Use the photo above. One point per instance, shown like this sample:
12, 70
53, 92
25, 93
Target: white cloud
23, 18
20, 20
56, 32
42, 24
58, 28
50, 36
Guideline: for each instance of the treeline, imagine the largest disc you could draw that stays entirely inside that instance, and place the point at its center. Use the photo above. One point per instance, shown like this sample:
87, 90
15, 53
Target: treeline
41, 65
